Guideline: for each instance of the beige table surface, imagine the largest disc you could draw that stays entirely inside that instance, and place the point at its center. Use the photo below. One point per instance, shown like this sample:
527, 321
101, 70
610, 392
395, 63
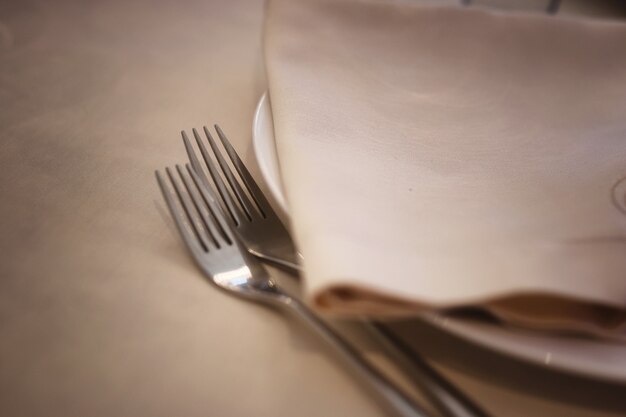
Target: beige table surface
102, 313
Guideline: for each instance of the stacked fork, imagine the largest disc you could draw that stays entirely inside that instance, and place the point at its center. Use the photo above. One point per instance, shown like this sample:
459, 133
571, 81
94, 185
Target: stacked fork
228, 247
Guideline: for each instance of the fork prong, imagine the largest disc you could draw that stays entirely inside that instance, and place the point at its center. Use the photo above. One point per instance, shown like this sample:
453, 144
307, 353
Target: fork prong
191, 154
227, 200
216, 212
263, 205
241, 196
201, 208
217, 217
190, 210
191, 240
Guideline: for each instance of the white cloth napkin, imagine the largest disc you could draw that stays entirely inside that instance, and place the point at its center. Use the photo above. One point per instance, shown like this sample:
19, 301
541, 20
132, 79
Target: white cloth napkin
446, 156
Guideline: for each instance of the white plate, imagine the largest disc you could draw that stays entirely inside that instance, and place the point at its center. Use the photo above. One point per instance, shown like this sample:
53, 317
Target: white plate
265, 149
585, 357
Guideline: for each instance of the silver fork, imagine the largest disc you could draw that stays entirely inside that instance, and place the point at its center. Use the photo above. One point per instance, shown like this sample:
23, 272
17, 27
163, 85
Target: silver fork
263, 234
258, 226
230, 267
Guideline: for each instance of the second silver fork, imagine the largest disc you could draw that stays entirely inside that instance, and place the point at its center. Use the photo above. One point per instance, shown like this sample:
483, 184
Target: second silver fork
229, 267
256, 223
264, 235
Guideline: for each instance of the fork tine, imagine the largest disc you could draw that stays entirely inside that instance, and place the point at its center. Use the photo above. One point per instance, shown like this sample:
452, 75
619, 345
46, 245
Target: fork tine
201, 208
216, 211
189, 209
227, 200
243, 199
256, 193
191, 154
190, 240
218, 220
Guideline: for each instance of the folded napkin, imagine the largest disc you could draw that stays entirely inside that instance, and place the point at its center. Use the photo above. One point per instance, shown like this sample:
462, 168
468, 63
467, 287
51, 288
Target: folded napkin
448, 156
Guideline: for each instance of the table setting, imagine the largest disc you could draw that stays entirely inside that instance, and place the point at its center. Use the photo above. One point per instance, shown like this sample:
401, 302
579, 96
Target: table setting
314, 207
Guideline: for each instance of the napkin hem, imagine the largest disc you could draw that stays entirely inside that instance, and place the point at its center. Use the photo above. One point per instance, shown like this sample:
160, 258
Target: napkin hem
552, 312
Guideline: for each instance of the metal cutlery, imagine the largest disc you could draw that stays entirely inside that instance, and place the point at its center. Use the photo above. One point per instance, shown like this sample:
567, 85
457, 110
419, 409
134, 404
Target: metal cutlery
264, 235
257, 225
228, 265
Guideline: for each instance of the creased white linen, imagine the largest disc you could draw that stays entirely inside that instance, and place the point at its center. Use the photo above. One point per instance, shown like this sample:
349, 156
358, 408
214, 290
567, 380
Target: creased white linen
439, 156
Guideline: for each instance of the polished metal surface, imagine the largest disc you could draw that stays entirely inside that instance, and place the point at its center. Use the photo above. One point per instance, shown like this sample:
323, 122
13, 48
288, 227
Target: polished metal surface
231, 268
256, 223
263, 234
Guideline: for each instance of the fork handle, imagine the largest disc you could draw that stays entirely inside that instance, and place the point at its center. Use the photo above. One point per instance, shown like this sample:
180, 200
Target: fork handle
388, 394
443, 395
449, 400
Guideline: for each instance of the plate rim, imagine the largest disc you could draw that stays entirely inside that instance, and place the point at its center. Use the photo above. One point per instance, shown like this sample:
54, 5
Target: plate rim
260, 147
